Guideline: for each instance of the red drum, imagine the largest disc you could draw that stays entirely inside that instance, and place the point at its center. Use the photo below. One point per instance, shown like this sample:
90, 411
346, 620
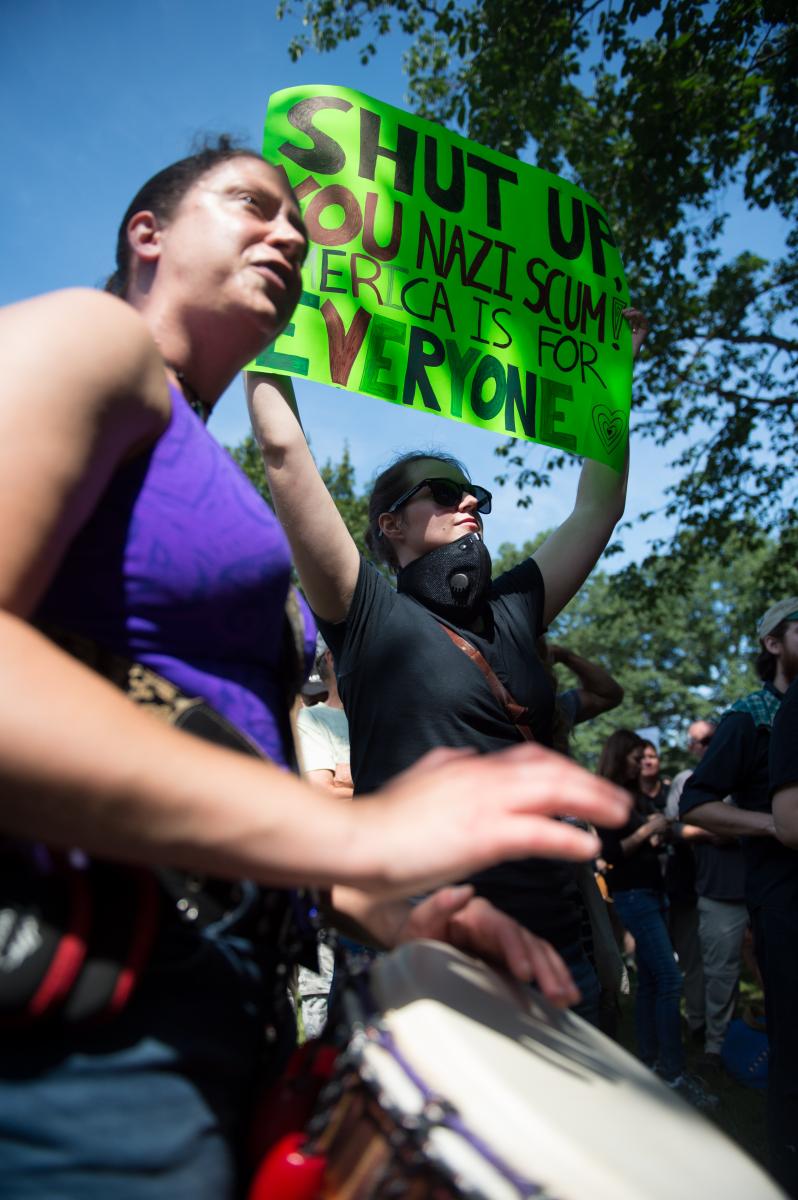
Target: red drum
456, 1083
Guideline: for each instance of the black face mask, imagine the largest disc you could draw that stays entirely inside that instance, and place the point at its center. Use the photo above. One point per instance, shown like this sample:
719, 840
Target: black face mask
452, 580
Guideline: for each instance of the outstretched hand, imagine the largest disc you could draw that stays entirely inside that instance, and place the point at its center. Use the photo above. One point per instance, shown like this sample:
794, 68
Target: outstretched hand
455, 915
455, 812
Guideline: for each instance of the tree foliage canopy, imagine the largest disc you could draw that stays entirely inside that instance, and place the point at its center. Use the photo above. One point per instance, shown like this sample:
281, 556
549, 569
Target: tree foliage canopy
682, 647
667, 113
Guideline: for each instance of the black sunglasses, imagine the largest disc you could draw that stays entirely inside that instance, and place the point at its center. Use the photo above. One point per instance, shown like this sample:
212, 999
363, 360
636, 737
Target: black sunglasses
447, 493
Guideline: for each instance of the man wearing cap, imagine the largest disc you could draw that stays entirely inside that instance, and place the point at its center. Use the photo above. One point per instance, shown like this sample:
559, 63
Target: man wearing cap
736, 764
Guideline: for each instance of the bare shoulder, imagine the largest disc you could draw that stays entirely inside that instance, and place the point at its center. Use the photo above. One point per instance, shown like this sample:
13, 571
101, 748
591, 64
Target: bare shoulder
93, 344
82, 389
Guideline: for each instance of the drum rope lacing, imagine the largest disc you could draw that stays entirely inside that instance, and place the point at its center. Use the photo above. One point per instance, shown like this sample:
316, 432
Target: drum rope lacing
440, 1112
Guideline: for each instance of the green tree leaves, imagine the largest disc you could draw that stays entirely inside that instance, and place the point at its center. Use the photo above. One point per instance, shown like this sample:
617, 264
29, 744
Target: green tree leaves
678, 634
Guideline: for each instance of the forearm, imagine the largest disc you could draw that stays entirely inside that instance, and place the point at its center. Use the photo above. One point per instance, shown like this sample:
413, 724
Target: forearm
324, 553
635, 841
375, 922
599, 690
80, 765
729, 821
601, 494
591, 675
785, 816
568, 555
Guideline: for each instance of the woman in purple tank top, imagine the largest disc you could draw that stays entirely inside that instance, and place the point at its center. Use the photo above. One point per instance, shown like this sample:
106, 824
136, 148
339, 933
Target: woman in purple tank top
123, 522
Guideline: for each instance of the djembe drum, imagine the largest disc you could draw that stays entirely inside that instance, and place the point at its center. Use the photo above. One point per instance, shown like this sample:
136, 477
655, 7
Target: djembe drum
453, 1082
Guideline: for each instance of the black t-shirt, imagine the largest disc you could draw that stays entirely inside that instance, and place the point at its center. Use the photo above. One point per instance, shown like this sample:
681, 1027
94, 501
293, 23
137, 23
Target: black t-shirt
720, 871
407, 689
736, 764
676, 861
784, 743
641, 868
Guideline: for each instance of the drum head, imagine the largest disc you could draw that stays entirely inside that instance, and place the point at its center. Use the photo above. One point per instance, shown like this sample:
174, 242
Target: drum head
535, 1102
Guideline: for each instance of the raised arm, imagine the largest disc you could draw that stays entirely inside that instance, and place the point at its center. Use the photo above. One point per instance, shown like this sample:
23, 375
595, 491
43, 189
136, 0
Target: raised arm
568, 555
598, 690
324, 554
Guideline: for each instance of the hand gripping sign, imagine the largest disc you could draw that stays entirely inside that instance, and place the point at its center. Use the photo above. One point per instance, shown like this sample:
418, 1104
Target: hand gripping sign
447, 277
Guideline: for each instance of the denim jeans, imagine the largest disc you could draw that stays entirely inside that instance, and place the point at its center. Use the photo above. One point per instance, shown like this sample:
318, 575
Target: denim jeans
154, 1104
659, 980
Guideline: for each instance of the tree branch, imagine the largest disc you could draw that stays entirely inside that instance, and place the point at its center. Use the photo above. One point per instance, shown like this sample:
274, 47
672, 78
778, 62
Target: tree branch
755, 339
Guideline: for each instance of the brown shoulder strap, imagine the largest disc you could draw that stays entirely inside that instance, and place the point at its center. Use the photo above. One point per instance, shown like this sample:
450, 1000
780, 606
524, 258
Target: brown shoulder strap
514, 710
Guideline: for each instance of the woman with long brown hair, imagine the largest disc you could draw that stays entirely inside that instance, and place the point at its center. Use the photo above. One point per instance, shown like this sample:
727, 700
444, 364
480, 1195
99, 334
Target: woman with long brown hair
638, 893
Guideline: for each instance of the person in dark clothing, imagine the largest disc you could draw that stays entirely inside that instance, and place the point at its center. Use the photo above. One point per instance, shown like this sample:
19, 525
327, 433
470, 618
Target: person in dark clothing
638, 892
425, 522
783, 769
596, 691
736, 764
678, 868
722, 913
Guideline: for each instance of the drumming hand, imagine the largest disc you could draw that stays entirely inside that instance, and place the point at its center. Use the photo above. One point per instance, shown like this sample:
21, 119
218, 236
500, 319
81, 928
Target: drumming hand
456, 812
457, 916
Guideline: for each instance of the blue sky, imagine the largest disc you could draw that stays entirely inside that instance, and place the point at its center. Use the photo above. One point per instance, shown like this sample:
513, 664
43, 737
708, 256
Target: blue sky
97, 95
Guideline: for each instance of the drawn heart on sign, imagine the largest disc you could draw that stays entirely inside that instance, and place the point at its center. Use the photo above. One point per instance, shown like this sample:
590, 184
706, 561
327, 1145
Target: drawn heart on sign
610, 425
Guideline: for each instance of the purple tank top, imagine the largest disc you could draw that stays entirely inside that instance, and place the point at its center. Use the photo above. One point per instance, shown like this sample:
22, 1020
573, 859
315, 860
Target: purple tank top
183, 567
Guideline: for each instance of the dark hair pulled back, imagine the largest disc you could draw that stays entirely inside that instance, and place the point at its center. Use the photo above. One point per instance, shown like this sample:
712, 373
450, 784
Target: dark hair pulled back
388, 486
162, 195
612, 764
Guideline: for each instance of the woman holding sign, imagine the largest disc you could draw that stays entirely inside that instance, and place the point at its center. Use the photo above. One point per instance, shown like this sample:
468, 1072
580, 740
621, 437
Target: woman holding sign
135, 990
449, 657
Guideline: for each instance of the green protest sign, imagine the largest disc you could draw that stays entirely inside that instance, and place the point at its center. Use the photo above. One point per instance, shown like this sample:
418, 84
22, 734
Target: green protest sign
450, 278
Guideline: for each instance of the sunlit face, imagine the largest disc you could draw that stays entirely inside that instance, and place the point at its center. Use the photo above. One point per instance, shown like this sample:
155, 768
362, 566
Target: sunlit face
236, 244
649, 763
421, 524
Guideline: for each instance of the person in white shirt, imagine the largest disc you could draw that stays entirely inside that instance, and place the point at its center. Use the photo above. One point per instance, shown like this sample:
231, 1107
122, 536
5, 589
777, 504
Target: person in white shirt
323, 744
323, 734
